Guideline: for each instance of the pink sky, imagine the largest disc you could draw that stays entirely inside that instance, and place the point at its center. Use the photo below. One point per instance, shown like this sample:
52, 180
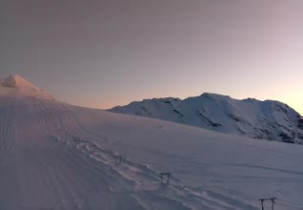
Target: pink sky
106, 53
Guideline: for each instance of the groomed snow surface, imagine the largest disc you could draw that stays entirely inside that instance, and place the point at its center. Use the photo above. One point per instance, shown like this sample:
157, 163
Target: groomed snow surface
58, 156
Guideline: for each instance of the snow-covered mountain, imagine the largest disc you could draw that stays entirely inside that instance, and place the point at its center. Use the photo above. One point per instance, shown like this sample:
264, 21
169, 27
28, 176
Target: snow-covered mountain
58, 156
271, 120
18, 86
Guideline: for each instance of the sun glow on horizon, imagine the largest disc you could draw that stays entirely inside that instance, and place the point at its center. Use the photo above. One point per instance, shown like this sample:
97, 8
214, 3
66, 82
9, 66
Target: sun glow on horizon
105, 54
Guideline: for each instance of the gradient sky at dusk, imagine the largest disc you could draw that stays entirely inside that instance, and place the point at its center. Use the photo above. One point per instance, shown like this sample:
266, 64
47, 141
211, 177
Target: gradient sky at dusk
106, 53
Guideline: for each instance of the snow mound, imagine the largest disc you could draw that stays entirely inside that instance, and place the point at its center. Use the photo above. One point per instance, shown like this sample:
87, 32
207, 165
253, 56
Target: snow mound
15, 85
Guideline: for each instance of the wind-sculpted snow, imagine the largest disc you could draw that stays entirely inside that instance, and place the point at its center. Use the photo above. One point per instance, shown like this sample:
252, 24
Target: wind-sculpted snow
57, 156
270, 120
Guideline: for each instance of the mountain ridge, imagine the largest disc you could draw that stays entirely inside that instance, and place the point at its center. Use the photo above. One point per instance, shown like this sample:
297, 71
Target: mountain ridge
268, 119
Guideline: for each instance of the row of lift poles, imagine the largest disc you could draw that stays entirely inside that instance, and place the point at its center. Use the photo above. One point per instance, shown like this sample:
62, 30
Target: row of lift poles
165, 177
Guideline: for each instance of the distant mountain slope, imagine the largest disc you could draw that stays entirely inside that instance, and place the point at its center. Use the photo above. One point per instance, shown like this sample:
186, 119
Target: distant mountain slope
268, 119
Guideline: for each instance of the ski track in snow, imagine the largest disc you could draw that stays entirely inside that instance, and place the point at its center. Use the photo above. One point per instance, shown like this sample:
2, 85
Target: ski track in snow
131, 173
66, 170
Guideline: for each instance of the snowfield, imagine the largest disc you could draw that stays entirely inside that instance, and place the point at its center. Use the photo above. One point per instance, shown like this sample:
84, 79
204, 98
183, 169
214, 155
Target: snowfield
57, 156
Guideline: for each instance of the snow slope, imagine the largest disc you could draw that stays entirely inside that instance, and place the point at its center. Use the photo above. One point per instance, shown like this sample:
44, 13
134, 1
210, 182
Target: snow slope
271, 120
57, 156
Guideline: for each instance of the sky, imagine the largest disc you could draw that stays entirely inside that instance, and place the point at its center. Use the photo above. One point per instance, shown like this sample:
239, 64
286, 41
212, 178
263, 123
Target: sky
103, 53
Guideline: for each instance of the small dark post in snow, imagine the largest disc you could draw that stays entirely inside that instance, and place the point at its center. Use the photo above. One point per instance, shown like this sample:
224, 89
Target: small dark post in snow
268, 199
165, 176
262, 201
272, 203
118, 159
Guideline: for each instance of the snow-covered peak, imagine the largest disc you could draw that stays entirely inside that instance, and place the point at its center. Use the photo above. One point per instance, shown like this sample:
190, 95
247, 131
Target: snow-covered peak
16, 85
16, 81
213, 96
249, 117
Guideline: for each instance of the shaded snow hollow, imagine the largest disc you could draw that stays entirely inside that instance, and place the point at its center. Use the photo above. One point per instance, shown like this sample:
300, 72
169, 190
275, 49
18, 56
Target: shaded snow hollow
57, 156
